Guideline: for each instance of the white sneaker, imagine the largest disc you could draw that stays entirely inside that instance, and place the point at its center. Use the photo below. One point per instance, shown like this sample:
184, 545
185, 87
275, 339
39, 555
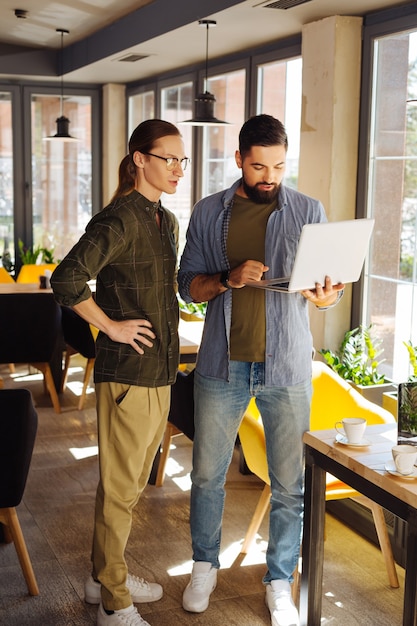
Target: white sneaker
122, 617
140, 590
203, 581
279, 601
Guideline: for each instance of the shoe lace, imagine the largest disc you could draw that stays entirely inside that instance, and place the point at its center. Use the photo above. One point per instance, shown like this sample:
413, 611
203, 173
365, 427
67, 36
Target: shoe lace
135, 581
133, 618
282, 599
198, 580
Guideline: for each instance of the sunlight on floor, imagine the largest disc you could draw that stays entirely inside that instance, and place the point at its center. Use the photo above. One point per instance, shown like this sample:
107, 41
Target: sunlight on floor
84, 453
228, 557
76, 387
28, 377
173, 469
183, 482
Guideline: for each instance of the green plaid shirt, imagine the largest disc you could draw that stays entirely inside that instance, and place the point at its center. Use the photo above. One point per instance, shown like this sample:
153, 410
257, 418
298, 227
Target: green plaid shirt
134, 265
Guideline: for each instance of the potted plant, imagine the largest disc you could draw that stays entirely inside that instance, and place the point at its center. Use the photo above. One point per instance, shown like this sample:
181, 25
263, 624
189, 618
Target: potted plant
358, 361
407, 400
35, 256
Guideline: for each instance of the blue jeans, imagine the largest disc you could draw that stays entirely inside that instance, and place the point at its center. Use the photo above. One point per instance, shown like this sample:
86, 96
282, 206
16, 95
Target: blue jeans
219, 408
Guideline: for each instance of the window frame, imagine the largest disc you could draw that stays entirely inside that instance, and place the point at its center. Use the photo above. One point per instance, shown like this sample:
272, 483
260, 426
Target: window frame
287, 48
375, 26
382, 24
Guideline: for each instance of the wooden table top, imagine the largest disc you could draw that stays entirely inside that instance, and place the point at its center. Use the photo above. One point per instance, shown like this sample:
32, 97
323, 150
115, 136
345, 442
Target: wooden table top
368, 461
12, 288
190, 336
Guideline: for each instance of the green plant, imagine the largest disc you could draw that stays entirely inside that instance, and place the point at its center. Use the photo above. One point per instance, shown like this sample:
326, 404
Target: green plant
412, 356
407, 409
35, 255
197, 308
357, 358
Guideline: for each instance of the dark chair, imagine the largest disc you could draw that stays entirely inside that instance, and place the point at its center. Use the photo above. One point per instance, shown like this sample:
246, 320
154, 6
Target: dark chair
79, 339
18, 425
180, 419
30, 332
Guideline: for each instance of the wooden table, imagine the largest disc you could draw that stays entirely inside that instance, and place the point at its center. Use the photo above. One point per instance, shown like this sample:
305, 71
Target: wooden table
190, 334
364, 470
6, 288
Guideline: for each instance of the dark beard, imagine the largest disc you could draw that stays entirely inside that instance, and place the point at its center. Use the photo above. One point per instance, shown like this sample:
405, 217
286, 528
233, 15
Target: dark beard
260, 197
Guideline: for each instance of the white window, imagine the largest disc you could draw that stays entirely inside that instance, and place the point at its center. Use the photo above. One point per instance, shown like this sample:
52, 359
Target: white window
390, 295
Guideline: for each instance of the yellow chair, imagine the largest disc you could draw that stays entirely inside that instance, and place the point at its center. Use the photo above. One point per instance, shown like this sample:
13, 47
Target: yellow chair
5, 276
333, 398
30, 273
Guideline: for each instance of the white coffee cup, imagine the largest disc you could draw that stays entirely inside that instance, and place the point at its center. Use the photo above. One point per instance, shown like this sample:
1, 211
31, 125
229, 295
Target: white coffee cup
404, 457
352, 428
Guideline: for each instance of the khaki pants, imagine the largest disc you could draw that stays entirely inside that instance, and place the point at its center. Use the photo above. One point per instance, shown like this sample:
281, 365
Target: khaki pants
131, 423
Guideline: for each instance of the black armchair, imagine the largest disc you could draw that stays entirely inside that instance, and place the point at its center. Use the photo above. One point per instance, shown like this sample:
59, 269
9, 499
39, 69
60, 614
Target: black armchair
78, 338
30, 332
180, 419
18, 426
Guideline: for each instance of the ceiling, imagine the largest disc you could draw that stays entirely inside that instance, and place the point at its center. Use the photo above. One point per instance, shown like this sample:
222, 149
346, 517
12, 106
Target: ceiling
165, 33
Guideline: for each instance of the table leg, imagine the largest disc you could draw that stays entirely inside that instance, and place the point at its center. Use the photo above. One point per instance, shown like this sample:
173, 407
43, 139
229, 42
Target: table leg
410, 588
313, 544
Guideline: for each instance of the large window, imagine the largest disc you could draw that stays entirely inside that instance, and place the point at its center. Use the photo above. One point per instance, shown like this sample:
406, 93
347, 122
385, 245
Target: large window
49, 189
61, 173
390, 301
279, 94
220, 142
263, 83
177, 105
141, 107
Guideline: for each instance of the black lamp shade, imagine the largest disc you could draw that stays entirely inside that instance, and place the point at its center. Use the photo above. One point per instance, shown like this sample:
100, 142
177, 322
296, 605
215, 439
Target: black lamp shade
62, 130
204, 112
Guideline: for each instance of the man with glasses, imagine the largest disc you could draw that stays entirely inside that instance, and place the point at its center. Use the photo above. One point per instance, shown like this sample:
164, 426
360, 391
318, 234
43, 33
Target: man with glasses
256, 343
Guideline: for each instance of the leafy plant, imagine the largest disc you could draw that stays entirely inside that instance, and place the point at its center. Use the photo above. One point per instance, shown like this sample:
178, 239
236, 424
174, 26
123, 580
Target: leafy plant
35, 255
412, 356
407, 409
357, 358
196, 308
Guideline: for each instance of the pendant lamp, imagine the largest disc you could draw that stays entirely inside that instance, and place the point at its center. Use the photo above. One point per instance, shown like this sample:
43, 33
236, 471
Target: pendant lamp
204, 107
62, 122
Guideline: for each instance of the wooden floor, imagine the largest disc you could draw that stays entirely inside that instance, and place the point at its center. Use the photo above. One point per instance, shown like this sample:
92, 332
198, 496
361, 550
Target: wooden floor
57, 516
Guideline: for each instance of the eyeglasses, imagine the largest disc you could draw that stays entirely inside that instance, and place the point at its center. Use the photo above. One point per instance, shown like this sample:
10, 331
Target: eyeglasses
172, 162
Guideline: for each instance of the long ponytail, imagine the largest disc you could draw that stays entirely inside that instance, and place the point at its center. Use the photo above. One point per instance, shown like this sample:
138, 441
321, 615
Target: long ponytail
142, 139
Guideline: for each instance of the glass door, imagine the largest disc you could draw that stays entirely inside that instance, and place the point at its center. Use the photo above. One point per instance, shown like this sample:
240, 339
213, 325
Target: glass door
61, 173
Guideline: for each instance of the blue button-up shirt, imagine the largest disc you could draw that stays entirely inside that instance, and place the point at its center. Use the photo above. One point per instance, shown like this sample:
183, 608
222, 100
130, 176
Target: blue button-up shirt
288, 339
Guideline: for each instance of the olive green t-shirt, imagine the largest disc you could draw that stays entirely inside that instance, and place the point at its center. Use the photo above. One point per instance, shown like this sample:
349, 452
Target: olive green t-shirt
246, 241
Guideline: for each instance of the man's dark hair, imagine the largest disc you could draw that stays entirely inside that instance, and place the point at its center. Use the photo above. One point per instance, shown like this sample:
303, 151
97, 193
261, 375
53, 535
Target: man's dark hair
262, 130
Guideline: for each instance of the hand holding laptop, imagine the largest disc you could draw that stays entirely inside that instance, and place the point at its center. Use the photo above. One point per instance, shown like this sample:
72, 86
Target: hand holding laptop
335, 249
323, 295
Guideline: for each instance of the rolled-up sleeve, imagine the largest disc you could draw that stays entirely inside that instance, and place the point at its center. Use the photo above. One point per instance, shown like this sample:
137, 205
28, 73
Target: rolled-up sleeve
85, 260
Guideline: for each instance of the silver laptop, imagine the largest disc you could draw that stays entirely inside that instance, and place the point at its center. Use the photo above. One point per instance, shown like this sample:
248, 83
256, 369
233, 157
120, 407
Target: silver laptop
335, 249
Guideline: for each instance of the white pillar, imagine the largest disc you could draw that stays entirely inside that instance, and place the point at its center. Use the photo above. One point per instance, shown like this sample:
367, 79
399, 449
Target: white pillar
114, 136
331, 52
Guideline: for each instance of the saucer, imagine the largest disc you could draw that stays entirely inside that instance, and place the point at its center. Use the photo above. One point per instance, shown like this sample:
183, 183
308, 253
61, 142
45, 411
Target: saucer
390, 467
343, 440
